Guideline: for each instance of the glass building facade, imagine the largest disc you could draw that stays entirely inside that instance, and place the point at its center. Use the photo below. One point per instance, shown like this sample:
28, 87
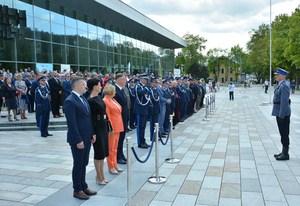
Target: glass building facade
58, 35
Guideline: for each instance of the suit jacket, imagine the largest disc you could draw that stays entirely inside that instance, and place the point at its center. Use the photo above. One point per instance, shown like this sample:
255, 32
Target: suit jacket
67, 89
55, 86
281, 107
79, 120
121, 98
114, 114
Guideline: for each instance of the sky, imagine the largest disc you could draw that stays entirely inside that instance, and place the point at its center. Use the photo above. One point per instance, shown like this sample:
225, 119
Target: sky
224, 23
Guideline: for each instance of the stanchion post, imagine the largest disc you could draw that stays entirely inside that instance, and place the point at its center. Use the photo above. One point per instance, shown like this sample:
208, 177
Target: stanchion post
157, 179
210, 100
128, 171
172, 159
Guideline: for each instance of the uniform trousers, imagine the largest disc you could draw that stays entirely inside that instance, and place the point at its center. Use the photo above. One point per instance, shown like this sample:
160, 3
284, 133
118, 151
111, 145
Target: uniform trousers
284, 130
113, 149
141, 127
161, 118
80, 161
44, 121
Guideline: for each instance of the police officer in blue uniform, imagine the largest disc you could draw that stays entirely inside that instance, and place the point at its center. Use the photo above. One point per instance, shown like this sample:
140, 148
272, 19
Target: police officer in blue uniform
155, 109
142, 108
42, 101
282, 111
168, 95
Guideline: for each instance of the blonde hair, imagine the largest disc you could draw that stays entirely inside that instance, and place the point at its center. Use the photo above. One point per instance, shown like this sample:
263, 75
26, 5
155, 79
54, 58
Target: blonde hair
109, 89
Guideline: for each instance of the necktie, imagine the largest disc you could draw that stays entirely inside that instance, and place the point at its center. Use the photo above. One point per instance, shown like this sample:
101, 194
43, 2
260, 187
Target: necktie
124, 95
84, 102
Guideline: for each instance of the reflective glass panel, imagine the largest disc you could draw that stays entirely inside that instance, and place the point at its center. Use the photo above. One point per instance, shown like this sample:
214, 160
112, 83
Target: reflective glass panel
28, 46
102, 58
41, 13
71, 53
7, 50
83, 57
59, 53
43, 52
93, 57
42, 29
24, 6
58, 33
82, 38
71, 36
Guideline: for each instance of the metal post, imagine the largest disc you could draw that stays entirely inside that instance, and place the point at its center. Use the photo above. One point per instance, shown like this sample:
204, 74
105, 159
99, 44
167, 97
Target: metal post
172, 159
128, 171
157, 179
210, 109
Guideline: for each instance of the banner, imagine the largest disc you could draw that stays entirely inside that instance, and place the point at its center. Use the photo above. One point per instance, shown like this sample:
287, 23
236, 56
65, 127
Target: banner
65, 68
176, 72
42, 67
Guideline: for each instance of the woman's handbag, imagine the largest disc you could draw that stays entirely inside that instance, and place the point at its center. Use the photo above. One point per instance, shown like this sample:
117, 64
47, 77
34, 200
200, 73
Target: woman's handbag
109, 127
4, 110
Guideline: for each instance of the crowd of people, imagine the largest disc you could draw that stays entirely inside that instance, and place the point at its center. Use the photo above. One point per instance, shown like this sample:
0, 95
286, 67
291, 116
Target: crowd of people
100, 110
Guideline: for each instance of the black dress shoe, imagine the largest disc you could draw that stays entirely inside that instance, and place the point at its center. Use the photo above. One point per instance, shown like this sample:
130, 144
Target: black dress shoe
283, 156
89, 192
121, 161
124, 158
81, 195
49, 134
143, 146
129, 129
43, 135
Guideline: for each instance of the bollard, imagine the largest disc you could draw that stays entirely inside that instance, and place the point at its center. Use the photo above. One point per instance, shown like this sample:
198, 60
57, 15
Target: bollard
206, 109
128, 171
210, 100
172, 159
156, 179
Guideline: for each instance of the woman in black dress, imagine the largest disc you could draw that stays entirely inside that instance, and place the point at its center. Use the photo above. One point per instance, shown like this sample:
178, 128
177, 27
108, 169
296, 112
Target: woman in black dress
9, 93
100, 128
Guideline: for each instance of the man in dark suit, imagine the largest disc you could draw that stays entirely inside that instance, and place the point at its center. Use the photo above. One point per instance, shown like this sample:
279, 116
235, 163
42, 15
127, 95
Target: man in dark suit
80, 136
282, 111
56, 91
28, 81
121, 98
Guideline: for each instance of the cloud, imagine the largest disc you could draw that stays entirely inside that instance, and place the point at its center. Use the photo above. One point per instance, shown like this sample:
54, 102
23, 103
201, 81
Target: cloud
224, 23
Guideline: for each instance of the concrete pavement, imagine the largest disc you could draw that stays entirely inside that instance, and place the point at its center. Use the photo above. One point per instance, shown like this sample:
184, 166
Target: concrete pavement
227, 160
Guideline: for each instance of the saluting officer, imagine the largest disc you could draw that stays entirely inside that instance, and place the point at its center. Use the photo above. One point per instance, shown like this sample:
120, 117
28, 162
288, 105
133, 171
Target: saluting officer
282, 111
142, 109
156, 106
42, 101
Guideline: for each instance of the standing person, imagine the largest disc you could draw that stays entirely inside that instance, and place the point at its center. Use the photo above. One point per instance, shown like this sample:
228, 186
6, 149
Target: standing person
99, 120
80, 136
231, 91
266, 86
142, 109
9, 97
282, 111
67, 89
28, 81
155, 109
121, 98
1, 93
114, 113
22, 101
55, 91
293, 86
42, 101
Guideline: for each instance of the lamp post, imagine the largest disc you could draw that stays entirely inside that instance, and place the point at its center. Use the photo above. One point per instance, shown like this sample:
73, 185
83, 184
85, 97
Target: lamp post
270, 82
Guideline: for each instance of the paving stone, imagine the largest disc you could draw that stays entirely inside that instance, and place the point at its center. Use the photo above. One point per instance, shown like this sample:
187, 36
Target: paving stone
214, 171
184, 199
34, 199
11, 187
270, 203
252, 198
211, 182
190, 187
293, 200
39, 190
250, 185
271, 193
167, 193
268, 180
231, 177
13, 196
249, 173
208, 197
229, 201
229, 190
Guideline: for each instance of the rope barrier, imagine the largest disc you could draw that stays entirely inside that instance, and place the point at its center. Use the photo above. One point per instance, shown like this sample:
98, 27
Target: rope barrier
148, 155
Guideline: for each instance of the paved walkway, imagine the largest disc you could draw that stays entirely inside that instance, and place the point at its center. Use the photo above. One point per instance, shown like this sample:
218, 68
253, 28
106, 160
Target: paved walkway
225, 161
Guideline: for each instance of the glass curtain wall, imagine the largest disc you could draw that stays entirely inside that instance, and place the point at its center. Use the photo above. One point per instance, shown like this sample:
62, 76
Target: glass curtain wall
58, 35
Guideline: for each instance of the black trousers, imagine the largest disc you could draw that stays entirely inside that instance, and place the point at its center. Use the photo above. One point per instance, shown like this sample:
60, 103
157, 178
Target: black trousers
284, 130
231, 97
80, 161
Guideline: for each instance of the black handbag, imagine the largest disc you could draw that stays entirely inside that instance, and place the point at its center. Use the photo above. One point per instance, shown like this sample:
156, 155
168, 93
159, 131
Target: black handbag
109, 127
